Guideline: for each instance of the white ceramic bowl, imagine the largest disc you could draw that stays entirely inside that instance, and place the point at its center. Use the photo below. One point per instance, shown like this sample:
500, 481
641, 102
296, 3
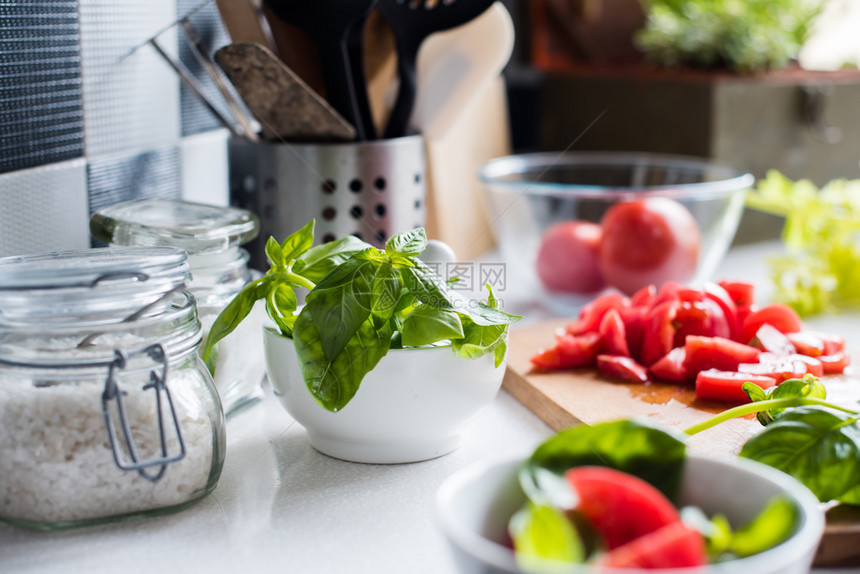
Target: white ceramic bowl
474, 506
413, 406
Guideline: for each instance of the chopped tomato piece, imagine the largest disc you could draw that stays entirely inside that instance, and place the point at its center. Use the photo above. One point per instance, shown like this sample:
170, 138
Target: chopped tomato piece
779, 367
548, 359
634, 327
834, 364
570, 352
621, 506
717, 353
672, 366
659, 332
813, 365
643, 297
578, 351
613, 339
741, 293
807, 343
744, 312
769, 339
699, 318
721, 297
622, 368
782, 317
832, 343
727, 385
592, 313
668, 292
675, 545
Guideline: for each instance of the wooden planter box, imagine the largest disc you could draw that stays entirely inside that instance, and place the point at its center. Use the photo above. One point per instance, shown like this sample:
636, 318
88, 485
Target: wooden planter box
805, 124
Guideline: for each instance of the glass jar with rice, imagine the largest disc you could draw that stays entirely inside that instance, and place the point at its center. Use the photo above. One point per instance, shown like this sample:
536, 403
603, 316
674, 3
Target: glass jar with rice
212, 236
106, 410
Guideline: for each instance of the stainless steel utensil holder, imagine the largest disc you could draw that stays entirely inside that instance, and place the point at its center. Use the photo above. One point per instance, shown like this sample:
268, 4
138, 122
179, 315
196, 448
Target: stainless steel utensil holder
370, 189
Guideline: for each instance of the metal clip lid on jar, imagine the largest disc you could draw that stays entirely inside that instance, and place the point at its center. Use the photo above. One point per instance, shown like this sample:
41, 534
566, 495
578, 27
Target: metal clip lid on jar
107, 410
211, 235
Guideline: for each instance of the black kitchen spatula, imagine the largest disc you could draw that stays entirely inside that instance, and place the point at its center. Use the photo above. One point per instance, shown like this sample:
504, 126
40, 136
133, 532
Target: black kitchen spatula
329, 23
412, 21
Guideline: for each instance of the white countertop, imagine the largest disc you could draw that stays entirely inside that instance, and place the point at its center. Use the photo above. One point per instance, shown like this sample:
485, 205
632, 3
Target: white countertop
283, 507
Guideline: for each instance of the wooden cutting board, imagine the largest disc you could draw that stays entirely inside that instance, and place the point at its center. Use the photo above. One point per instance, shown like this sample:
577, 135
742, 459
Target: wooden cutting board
563, 399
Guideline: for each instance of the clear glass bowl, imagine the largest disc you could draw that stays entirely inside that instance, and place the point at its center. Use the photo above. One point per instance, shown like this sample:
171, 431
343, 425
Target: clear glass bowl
529, 193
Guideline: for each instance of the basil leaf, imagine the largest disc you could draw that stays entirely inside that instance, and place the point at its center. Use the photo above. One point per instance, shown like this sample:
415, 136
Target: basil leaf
634, 447
542, 533
274, 254
298, 242
340, 303
281, 302
409, 243
235, 311
319, 261
772, 526
428, 288
805, 441
333, 379
807, 387
384, 294
478, 340
426, 325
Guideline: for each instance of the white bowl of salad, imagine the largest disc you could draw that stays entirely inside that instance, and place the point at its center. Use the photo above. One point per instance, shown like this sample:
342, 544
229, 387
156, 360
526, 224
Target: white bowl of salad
623, 497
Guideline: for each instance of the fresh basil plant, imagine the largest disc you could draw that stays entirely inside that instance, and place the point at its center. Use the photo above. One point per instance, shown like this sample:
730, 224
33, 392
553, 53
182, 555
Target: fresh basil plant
361, 302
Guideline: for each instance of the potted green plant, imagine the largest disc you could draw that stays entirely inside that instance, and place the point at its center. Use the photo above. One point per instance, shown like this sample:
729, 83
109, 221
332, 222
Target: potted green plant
384, 362
718, 79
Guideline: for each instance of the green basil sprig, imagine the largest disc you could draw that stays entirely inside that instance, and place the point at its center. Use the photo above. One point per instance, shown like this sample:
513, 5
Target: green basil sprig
362, 301
815, 441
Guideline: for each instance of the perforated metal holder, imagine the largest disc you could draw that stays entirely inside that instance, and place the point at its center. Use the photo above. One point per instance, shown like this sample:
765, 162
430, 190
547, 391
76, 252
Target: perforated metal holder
370, 189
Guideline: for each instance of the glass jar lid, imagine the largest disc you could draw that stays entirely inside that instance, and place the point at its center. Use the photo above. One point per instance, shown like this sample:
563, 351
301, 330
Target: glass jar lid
100, 284
195, 227
76, 307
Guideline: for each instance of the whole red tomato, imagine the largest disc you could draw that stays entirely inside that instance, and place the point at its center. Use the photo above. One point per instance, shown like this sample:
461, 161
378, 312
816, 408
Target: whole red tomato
568, 258
648, 241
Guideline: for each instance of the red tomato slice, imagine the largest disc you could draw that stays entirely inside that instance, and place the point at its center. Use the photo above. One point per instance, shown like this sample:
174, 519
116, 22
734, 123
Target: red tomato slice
548, 359
721, 297
717, 353
622, 507
623, 368
672, 366
578, 351
634, 327
668, 292
659, 333
778, 367
832, 343
675, 545
592, 313
782, 317
834, 364
770, 340
703, 318
613, 339
744, 311
727, 385
644, 296
741, 293
807, 343
813, 364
